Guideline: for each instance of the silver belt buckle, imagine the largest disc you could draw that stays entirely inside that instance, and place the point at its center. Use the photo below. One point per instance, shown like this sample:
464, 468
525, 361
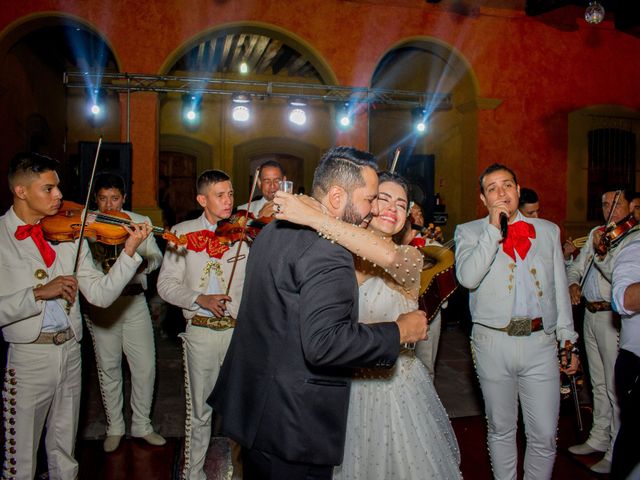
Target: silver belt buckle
60, 337
519, 327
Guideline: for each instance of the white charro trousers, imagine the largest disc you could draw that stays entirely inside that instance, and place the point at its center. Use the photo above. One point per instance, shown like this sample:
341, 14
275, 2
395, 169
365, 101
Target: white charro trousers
125, 327
41, 386
524, 369
204, 351
601, 346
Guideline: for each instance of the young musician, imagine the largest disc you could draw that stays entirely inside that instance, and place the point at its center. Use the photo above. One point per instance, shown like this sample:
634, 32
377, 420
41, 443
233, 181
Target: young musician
197, 281
42, 378
126, 327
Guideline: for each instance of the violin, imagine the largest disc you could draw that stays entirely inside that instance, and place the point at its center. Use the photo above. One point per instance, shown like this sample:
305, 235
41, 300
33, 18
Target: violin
104, 227
242, 225
614, 233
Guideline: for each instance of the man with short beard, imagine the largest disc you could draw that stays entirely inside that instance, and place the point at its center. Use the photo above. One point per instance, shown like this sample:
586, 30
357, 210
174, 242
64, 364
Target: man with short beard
283, 390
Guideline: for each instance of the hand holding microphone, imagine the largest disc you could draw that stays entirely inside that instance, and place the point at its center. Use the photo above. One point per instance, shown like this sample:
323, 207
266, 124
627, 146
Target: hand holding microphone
504, 225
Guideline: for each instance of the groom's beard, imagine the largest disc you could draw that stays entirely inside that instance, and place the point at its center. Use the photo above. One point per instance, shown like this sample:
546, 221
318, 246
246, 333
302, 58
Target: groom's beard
352, 215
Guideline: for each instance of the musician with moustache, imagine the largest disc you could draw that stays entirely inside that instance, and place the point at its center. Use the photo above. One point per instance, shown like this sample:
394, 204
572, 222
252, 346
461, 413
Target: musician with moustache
520, 309
197, 281
124, 327
270, 175
42, 377
600, 330
283, 391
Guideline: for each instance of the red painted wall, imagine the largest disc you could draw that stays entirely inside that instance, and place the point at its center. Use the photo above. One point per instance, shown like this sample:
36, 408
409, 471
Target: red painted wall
542, 68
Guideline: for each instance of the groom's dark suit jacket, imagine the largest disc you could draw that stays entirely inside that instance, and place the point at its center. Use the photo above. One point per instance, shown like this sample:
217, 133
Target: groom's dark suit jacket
284, 384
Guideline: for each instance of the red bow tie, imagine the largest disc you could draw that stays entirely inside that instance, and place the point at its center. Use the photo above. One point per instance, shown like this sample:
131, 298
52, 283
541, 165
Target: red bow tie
518, 235
35, 232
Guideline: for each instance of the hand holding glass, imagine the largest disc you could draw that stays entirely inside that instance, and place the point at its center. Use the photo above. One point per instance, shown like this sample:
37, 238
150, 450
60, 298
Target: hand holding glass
286, 186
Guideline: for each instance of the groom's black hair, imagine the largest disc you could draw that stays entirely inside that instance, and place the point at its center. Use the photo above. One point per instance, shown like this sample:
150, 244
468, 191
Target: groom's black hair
341, 166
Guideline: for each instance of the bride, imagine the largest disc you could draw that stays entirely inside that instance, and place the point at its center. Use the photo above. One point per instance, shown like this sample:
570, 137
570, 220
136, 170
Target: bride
397, 427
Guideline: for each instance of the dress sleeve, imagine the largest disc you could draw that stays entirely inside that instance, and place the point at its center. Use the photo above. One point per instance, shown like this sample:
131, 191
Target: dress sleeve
403, 263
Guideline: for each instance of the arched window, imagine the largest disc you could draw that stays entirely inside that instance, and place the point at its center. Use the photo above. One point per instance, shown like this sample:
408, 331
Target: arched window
602, 149
612, 159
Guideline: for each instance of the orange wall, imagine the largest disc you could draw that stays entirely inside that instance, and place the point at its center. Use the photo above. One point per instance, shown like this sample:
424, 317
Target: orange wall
542, 68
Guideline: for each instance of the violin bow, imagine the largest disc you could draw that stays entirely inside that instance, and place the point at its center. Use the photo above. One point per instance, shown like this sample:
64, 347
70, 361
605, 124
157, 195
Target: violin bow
236, 257
593, 257
396, 156
84, 215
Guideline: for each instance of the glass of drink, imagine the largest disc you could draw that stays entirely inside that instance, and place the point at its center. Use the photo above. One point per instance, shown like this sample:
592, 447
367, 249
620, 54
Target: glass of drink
286, 186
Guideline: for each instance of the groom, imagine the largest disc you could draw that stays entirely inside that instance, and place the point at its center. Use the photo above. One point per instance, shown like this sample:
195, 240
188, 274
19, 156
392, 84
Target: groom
283, 391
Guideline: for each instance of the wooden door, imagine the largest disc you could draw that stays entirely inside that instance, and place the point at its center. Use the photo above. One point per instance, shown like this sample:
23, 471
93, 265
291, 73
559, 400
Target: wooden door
177, 191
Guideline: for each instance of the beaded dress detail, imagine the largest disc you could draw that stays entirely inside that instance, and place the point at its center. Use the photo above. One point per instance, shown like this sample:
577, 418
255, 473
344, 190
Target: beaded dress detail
397, 427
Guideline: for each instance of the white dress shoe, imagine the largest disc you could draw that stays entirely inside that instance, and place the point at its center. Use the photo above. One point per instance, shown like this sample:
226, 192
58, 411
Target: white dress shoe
111, 443
154, 439
603, 466
584, 449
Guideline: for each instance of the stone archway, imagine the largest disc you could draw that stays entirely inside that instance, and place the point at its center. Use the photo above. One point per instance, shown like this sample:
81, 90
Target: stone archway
426, 64
229, 140
34, 53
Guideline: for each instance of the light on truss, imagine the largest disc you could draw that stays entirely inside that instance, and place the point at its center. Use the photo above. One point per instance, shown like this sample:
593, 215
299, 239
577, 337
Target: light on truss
297, 111
96, 103
191, 105
344, 116
240, 110
244, 68
419, 120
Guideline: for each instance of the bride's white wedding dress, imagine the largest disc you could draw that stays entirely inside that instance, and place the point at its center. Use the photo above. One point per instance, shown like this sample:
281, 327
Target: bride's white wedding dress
397, 427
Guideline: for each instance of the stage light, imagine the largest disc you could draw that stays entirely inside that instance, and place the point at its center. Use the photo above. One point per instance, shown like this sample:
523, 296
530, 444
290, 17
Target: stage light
420, 122
297, 113
96, 104
240, 112
344, 116
191, 105
244, 68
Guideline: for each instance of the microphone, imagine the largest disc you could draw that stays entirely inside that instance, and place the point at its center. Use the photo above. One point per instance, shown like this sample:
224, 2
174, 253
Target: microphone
504, 224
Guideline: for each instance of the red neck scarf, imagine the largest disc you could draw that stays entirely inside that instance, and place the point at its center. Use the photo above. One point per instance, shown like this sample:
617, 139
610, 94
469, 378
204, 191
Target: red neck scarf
517, 240
208, 241
35, 232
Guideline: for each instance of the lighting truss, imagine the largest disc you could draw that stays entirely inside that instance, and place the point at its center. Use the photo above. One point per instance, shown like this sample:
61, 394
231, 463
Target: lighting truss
132, 82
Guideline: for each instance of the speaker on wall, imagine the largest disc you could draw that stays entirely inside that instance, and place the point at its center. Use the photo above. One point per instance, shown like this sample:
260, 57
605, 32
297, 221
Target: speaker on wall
114, 157
419, 171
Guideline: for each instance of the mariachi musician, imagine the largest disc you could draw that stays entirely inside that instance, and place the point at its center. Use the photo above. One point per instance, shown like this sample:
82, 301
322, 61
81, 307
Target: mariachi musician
206, 281
125, 326
590, 276
40, 319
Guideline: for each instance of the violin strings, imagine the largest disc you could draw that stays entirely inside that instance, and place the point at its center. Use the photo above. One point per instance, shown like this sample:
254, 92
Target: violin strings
112, 220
